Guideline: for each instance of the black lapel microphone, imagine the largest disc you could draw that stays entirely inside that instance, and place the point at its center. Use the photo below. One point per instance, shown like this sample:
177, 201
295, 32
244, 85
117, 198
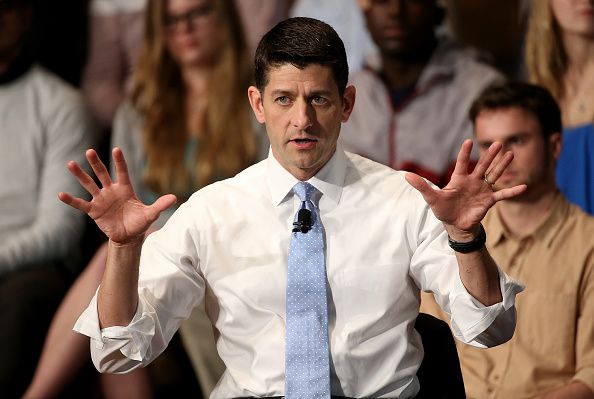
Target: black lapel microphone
303, 223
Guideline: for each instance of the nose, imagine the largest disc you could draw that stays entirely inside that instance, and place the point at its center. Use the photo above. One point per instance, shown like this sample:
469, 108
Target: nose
185, 24
303, 115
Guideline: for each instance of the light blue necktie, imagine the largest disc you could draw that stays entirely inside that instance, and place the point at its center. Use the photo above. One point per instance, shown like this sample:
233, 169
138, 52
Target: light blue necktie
307, 357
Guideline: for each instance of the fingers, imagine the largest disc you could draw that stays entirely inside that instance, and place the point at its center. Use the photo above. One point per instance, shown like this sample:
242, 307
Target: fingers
510, 192
463, 158
499, 167
121, 167
83, 178
76, 203
486, 160
421, 186
98, 168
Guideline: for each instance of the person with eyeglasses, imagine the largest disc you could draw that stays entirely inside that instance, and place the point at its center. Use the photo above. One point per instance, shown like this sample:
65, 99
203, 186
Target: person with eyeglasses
186, 124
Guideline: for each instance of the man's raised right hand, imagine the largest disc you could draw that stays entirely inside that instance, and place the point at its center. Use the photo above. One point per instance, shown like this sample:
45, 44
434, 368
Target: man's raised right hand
114, 207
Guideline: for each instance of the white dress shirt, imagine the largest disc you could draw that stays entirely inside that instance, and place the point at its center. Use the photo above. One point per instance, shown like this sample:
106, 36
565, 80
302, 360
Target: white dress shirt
229, 242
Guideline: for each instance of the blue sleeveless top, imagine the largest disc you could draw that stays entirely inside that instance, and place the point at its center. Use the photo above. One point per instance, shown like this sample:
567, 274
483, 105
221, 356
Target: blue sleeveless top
575, 167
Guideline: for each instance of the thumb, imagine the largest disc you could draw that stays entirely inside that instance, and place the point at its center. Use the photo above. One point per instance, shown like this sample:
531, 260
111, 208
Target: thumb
421, 185
162, 203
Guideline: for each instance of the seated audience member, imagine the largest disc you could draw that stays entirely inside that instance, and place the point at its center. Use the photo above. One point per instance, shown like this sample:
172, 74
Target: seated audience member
413, 97
187, 124
559, 55
311, 261
43, 125
543, 240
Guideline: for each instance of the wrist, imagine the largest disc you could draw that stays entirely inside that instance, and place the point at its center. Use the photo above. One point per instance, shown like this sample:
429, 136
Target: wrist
468, 241
133, 242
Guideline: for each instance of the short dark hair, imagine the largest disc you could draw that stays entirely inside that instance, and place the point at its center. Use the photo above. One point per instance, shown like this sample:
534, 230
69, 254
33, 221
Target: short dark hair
301, 42
532, 98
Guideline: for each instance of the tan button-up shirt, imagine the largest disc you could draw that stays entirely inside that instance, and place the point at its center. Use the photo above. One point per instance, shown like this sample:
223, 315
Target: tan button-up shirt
554, 339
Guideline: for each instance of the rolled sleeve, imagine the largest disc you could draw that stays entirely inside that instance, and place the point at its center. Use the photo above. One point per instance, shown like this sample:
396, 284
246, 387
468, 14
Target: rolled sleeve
485, 326
118, 349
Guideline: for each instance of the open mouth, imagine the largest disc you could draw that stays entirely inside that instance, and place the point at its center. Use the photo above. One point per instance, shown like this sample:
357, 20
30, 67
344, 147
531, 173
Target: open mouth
304, 143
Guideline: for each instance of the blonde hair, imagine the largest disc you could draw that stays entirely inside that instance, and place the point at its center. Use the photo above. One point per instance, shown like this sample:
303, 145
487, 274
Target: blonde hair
545, 58
227, 144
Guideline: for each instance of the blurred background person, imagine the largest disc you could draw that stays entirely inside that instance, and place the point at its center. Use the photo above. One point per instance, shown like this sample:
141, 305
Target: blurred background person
413, 96
541, 239
187, 124
559, 55
43, 125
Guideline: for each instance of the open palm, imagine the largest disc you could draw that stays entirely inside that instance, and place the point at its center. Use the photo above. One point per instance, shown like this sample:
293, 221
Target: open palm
114, 207
464, 202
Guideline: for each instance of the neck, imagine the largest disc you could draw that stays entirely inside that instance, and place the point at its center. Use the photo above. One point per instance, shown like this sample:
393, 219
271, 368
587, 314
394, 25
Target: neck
523, 216
7, 58
579, 50
196, 83
400, 72
196, 80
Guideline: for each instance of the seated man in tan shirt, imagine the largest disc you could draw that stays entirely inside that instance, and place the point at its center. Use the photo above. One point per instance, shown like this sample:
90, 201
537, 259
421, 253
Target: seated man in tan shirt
542, 240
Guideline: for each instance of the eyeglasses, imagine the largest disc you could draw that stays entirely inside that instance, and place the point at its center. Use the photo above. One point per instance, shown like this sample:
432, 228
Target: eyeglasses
192, 17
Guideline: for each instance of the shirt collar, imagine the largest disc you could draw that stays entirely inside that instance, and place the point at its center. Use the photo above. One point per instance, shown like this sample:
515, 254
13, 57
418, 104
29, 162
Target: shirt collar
546, 232
329, 180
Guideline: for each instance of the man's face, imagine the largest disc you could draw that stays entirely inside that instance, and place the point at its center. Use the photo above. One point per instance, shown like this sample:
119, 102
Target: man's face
303, 111
520, 132
401, 28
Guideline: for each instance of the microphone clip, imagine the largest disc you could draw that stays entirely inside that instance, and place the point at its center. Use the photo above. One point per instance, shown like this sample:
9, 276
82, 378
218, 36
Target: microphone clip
303, 223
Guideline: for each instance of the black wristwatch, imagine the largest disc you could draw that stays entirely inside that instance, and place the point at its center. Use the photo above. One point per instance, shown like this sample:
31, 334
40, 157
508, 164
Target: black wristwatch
470, 246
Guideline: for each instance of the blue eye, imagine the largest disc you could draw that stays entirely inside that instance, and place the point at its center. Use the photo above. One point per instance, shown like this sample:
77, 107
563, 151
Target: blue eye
319, 100
283, 100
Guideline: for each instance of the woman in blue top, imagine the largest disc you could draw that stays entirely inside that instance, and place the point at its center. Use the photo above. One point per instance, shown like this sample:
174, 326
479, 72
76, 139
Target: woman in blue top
559, 55
187, 124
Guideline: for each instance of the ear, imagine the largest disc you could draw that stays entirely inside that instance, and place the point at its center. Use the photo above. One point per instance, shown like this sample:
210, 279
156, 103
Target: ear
257, 103
348, 102
555, 144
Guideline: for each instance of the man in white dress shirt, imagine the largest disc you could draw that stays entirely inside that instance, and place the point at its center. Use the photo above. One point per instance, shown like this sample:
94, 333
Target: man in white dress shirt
229, 243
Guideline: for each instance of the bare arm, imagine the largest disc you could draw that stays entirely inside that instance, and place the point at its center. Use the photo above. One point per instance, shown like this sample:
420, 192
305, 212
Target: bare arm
461, 205
575, 390
125, 220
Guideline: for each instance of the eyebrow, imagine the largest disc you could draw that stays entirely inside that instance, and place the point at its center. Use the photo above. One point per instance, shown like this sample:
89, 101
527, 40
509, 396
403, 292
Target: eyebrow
286, 92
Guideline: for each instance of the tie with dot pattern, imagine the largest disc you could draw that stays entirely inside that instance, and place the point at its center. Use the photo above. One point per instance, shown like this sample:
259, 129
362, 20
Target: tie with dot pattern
307, 357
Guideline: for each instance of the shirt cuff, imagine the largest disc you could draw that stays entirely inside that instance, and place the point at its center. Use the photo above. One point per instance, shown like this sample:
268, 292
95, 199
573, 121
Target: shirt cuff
132, 340
485, 326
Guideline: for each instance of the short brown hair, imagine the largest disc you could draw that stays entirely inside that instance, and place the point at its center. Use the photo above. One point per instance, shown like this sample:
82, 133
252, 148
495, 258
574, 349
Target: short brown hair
301, 42
532, 98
